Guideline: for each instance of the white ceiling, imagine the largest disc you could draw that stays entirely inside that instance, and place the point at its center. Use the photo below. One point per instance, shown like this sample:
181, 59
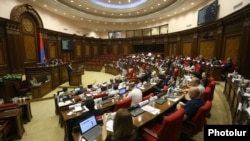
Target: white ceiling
117, 14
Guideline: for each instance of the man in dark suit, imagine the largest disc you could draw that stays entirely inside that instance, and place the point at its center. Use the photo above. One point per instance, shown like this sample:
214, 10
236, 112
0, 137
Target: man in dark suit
70, 70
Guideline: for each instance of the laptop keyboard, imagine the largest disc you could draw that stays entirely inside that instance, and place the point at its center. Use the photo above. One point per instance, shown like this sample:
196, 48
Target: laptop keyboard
160, 100
92, 134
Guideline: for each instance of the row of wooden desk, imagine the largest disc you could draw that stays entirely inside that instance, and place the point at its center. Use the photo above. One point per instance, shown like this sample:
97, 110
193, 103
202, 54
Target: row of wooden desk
140, 120
67, 120
16, 116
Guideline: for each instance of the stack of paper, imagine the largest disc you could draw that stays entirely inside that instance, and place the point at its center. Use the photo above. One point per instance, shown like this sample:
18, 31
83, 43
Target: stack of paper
151, 109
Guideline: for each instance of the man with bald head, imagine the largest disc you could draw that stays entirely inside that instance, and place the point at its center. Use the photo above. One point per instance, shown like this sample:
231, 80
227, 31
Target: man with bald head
193, 105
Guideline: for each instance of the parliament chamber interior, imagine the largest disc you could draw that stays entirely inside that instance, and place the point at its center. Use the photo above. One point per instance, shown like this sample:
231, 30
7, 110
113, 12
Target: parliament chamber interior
50, 74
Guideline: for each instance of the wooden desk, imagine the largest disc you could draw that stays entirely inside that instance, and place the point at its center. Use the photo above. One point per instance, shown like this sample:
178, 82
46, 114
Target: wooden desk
41, 90
76, 78
26, 110
66, 120
15, 117
57, 73
112, 70
3, 134
143, 118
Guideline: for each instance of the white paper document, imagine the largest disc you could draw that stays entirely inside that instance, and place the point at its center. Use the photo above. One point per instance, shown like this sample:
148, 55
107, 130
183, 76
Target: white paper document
64, 103
109, 125
174, 99
151, 109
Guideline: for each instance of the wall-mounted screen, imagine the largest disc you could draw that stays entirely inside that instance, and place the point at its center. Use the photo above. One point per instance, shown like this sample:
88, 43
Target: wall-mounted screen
67, 45
115, 35
208, 13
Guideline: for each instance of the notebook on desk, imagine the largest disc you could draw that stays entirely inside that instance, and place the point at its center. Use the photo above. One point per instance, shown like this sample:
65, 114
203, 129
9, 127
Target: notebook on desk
89, 128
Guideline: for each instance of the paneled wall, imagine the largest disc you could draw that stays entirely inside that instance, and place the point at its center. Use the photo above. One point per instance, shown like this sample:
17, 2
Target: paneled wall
227, 37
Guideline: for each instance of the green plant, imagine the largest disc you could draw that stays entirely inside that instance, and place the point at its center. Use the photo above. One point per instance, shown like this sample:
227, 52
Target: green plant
10, 76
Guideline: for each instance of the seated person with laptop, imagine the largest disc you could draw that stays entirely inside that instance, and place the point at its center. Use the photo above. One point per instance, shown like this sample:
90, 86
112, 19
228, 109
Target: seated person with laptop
64, 95
90, 105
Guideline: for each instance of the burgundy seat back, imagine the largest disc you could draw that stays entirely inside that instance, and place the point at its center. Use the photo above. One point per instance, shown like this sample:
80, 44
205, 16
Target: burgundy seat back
206, 94
212, 86
100, 95
125, 103
147, 96
171, 125
196, 124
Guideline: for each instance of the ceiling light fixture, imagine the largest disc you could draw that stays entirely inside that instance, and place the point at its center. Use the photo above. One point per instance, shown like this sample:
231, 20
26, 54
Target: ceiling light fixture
118, 6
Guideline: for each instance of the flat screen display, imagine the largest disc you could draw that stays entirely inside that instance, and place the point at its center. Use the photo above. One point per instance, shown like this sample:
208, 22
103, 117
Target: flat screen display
115, 35
67, 45
122, 91
208, 13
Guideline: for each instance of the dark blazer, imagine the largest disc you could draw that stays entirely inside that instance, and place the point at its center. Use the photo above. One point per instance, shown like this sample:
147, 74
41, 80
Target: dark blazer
69, 68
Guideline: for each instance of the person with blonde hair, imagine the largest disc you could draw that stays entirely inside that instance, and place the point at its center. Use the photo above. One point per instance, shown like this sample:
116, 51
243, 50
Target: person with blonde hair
123, 127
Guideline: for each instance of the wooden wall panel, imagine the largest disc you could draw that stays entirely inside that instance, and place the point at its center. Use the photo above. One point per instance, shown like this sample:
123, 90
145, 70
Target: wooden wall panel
78, 51
232, 46
2, 59
87, 50
52, 50
29, 48
95, 50
115, 49
186, 49
207, 49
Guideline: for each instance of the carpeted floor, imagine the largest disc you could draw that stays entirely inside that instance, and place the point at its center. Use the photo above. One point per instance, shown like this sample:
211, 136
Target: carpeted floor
44, 125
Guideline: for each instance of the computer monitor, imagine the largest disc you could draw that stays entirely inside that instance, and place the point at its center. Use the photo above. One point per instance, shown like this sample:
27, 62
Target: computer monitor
76, 89
122, 91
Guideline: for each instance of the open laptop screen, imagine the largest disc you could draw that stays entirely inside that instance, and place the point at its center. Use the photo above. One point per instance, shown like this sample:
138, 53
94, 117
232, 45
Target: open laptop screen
122, 91
87, 124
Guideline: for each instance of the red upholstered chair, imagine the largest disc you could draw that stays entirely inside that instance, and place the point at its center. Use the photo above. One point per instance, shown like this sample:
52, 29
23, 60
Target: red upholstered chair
148, 96
21, 87
206, 94
211, 78
193, 126
212, 86
168, 130
125, 103
100, 95
197, 68
8, 106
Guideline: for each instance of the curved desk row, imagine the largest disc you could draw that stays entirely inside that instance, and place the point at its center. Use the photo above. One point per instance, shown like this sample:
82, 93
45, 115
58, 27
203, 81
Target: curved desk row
141, 119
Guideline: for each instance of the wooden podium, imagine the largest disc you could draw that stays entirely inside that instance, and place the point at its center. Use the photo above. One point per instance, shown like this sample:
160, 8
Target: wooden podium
76, 78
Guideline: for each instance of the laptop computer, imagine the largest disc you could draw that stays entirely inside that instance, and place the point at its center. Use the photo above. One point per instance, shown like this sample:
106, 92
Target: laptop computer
91, 87
122, 91
136, 110
89, 128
